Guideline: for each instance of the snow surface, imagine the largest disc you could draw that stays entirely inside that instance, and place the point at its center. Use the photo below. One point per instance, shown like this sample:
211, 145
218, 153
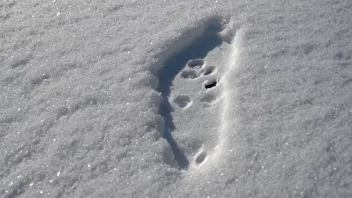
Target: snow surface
97, 98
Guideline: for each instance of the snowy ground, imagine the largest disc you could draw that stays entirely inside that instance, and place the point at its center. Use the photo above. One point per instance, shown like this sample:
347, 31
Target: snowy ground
161, 98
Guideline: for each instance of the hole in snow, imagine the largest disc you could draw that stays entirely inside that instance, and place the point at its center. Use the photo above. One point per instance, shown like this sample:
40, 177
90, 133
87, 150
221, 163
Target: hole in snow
210, 83
209, 70
182, 100
196, 63
189, 74
200, 157
209, 98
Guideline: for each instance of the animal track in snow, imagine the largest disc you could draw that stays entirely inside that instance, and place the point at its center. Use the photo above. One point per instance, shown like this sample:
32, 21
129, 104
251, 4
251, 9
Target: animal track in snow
182, 100
200, 157
190, 74
209, 98
198, 63
187, 81
210, 83
209, 70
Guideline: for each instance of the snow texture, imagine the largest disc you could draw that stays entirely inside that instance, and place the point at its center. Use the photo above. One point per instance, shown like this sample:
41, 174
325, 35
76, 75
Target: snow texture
126, 98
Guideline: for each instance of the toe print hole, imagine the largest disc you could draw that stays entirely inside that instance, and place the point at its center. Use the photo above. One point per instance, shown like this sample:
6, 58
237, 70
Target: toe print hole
200, 157
196, 63
210, 83
182, 100
209, 70
209, 98
189, 74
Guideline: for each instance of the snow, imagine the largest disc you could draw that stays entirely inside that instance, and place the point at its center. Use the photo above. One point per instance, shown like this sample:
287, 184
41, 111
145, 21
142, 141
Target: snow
113, 98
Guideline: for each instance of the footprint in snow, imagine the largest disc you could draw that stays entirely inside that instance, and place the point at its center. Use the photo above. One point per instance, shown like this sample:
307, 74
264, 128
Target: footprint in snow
189, 84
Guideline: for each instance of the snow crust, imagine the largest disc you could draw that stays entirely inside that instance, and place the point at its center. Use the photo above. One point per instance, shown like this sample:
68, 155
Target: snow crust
82, 106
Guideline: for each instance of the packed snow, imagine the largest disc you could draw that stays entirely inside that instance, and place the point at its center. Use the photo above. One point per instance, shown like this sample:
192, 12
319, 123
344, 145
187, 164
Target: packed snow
160, 98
